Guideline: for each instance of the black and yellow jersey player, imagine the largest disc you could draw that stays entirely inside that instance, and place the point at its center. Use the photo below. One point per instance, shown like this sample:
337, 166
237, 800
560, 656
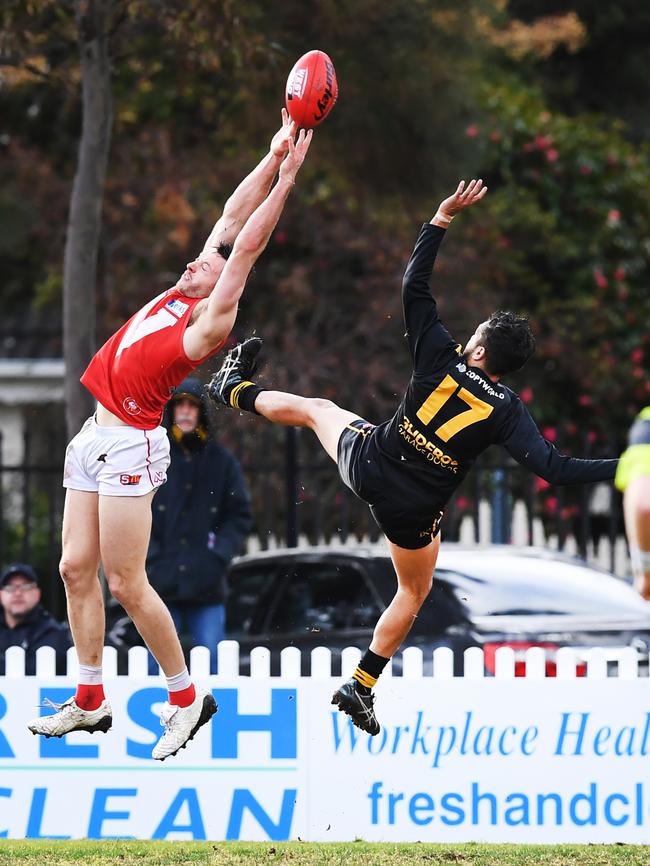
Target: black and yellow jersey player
407, 468
633, 478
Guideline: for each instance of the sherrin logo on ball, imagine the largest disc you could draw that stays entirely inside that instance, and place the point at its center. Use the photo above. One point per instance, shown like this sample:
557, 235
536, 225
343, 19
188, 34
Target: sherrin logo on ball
312, 89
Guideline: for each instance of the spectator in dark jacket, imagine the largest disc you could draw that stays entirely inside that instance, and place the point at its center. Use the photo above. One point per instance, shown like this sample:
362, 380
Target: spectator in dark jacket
24, 621
201, 518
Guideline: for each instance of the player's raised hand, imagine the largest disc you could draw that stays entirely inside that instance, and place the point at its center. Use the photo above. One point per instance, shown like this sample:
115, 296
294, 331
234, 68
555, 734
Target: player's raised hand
280, 141
465, 196
296, 155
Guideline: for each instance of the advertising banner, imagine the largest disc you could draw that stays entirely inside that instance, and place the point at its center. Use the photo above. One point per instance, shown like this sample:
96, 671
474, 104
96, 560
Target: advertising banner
456, 760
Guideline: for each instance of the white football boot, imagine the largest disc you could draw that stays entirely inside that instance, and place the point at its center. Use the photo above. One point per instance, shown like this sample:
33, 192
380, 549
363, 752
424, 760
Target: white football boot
69, 717
181, 723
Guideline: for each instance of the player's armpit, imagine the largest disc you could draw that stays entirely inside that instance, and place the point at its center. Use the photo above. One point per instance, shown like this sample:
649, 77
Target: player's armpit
225, 231
206, 334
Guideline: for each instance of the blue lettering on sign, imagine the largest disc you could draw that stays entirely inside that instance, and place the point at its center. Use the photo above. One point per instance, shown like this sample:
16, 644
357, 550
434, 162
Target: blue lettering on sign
243, 799
281, 722
447, 803
609, 817
421, 803
5, 748
518, 808
566, 732
348, 728
436, 742
99, 813
5, 792
374, 796
35, 820
517, 811
590, 799
186, 796
139, 711
477, 798
58, 747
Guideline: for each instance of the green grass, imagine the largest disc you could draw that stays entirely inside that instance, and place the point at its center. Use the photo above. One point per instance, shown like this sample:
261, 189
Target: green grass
314, 854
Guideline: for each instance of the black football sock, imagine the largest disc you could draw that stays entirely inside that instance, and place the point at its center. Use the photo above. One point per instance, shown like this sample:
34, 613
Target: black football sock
243, 396
369, 670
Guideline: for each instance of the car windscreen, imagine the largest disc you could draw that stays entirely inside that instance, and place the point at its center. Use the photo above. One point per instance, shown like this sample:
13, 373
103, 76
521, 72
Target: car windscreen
528, 586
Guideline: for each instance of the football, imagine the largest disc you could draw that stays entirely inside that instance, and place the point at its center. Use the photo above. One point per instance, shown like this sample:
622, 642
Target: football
312, 89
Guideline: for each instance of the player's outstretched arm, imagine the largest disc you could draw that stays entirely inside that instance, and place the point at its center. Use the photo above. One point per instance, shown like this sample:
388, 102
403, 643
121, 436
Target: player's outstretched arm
523, 441
216, 322
454, 204
252, 191
426, 335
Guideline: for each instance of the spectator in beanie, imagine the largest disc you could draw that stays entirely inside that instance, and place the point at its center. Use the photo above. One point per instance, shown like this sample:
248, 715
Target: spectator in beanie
24, 621
201, 518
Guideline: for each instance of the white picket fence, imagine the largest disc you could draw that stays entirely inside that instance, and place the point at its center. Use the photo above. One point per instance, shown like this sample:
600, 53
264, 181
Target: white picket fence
601, 554
623, 662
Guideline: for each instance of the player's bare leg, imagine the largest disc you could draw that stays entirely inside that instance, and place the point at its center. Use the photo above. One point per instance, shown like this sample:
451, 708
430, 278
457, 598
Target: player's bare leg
88, 710
125, 527
325, 418
232, 387
125, 530
414, 569
79, 566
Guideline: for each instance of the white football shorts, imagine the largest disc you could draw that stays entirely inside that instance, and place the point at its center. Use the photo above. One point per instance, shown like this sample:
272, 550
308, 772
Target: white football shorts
116, 461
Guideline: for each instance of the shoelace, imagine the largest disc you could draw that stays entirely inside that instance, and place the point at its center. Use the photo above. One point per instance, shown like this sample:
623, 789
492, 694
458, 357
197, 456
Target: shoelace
367, 708
366, 696
166, 715
228, 366
48, 704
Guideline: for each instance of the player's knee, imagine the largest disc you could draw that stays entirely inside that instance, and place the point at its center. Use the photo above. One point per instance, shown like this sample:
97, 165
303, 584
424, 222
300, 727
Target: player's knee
76, 575
123, 588
316, 406
420, 590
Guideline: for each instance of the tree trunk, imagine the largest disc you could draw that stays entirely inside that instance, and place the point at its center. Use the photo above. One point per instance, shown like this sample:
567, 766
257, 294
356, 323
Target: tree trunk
84, 220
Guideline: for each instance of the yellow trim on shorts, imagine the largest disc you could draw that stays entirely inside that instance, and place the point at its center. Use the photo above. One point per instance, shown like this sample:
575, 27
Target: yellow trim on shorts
357, 429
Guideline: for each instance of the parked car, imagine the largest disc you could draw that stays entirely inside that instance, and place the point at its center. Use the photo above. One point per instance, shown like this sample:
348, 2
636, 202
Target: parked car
488, 597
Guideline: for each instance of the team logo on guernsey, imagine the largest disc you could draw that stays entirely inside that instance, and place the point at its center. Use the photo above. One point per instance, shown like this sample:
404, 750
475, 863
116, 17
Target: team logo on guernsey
129, 405
177, 307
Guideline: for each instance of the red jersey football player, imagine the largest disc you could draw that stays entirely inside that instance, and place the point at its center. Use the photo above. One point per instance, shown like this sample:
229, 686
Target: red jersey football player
116, 462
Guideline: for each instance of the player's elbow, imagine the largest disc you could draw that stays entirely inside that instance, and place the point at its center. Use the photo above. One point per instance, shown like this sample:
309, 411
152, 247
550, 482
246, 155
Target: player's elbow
249, 244
233, 216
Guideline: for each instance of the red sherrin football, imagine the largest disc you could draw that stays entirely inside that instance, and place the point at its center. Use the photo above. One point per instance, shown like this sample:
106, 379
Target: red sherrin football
312, 89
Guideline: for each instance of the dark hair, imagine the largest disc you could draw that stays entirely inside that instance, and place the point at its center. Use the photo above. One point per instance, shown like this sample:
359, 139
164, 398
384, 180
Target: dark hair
508, 342
224, 250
